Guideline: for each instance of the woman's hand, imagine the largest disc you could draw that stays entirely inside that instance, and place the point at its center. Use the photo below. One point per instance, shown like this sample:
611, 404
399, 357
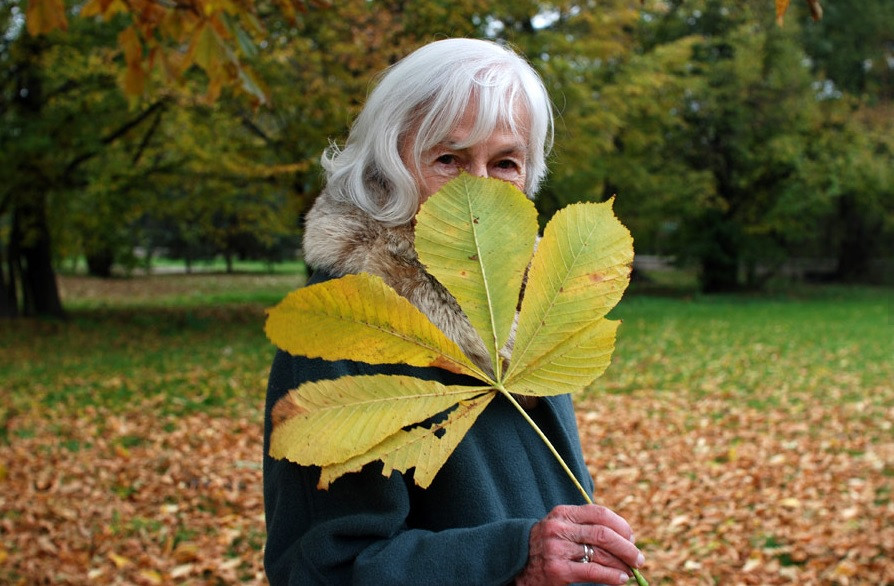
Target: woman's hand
562, 541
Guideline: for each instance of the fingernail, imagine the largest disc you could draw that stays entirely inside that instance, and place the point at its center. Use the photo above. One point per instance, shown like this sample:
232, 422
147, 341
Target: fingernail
640, 560
632, 538
624, 577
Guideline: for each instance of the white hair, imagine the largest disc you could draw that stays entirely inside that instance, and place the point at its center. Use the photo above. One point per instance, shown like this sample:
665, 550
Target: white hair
426, 94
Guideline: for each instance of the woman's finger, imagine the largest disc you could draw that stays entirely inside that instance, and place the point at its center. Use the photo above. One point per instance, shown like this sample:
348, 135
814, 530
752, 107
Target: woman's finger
596, 515
610, 548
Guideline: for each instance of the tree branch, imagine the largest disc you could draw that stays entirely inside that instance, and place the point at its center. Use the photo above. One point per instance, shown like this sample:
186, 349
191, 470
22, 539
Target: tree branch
256, 130
147, 137
124, 129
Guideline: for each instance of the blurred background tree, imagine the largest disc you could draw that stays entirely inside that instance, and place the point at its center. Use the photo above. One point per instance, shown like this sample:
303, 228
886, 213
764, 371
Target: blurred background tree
194, 129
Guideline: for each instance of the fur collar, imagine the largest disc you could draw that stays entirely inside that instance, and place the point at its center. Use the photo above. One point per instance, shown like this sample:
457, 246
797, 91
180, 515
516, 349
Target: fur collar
343, 239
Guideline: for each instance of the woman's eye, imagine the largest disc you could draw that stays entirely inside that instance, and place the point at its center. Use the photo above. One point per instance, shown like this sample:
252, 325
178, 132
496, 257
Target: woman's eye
446, 159
506, 164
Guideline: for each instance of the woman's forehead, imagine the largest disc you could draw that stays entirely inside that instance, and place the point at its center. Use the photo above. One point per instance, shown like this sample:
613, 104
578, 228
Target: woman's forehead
477, 124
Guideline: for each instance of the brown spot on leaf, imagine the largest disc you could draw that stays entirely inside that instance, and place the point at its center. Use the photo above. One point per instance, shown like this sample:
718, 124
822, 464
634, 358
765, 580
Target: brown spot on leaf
473, 257
285, 409
596, 277
446, 364
474, 220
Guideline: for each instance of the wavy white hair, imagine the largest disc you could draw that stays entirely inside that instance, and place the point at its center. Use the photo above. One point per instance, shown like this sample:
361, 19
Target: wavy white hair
426, 94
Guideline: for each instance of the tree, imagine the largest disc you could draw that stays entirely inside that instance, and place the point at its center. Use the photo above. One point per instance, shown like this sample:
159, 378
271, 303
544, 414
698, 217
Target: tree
851, 48
733, 124
47, 136
850, 51
211, 119
103, 159
851, 166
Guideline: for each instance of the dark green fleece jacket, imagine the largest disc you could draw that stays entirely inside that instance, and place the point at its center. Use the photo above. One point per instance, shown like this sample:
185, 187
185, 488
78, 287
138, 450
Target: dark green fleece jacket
471, 526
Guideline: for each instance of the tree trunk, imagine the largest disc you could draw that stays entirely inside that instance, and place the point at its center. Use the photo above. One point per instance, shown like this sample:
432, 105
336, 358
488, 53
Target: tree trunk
720, 274
720, 256
856, 244
99, 263
30, 250
40, 293
9, 306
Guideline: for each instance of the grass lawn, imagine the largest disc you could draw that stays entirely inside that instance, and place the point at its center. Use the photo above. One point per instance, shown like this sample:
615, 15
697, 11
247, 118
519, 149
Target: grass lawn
748, 439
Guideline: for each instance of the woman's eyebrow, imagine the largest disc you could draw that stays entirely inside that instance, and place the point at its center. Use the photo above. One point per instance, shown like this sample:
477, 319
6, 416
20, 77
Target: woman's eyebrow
518, 147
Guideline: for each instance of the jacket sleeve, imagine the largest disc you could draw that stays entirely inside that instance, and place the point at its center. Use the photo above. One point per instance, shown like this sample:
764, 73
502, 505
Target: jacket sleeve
357, 531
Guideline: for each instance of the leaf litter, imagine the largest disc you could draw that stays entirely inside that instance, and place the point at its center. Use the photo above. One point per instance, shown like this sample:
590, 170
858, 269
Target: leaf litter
718, 492
129, 498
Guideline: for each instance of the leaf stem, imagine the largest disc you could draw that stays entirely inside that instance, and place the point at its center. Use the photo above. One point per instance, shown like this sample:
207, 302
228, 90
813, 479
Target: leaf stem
640, 580
546, 441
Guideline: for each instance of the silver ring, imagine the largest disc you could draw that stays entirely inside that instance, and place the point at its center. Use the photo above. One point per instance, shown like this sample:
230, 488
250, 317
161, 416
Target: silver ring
588, 553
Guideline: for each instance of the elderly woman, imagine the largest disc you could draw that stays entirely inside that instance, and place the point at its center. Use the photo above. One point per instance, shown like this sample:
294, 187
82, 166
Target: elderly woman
500, 510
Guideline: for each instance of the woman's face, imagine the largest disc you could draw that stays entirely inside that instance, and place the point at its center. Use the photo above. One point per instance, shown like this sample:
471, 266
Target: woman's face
502, 155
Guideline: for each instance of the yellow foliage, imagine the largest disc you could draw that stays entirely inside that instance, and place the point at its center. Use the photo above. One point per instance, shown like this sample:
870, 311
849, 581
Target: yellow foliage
384, 328
420, 447
816, 10
331, 421
44, 16
476, 237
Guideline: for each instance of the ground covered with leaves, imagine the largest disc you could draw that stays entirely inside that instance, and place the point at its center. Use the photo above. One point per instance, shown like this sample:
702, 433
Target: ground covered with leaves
747, 442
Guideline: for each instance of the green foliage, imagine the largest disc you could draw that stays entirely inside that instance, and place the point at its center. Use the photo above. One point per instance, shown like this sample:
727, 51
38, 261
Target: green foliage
718, 163
788, 348
709, 122
185, 342
850, 47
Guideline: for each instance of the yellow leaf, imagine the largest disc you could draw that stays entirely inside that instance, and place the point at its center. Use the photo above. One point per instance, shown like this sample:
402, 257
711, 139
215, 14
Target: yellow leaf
151, 576
119, 560
790, 503
94, 8
133, 80
215, 85
846, 569
422, 448
330, 421
251, 84
115, 7
478, 246
571, 365
816, 10
130, 43
781, 8
384, 328
43, 16
173, 64
208, 49
580, 270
